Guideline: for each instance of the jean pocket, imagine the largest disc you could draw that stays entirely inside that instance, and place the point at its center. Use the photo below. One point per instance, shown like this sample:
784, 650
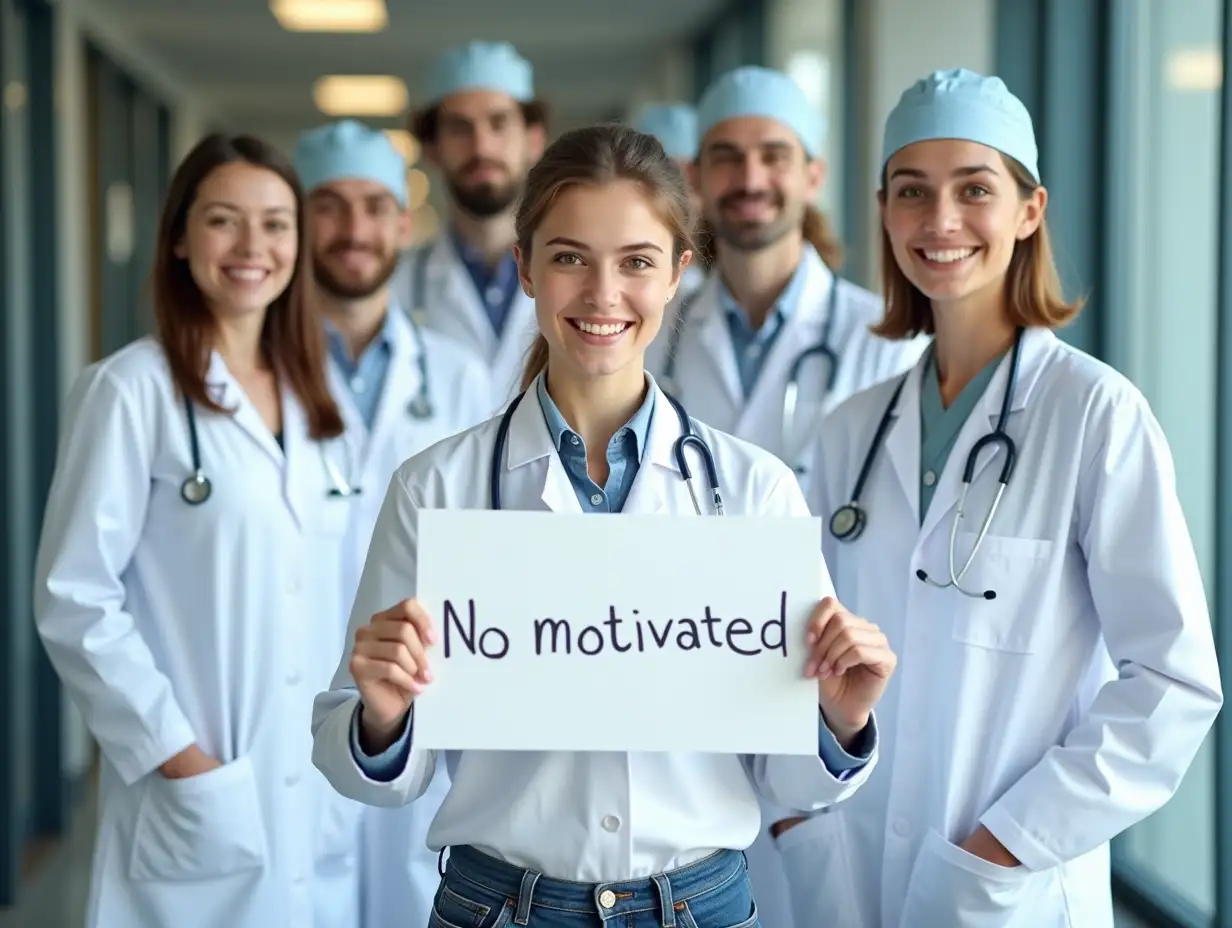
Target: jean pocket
469, 907
193, 828
727, 905
689, 920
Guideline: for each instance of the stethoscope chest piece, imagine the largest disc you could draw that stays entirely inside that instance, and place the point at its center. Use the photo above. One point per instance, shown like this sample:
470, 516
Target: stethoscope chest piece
847, 523
420, 407
196, 489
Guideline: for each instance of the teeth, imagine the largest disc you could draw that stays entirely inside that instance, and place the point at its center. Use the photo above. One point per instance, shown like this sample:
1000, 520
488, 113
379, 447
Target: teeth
950, 255
248, 274
612, 329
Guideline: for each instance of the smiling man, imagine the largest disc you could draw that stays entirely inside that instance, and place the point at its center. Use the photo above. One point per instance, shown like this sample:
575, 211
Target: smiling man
482, 128
774, 338
402, 389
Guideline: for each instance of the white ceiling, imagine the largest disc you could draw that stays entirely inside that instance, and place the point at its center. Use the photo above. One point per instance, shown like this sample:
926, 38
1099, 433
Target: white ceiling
588, 55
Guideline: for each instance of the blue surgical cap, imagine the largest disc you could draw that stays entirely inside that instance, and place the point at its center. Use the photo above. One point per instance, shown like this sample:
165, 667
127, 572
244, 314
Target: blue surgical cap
673, 124
481, 66
961, 104
349, 150
752, 91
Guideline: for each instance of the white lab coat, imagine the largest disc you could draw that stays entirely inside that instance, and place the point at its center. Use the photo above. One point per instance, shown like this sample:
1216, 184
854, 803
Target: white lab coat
1008, 712
399, 872
707, 379
171, 624
525, 806
452, 306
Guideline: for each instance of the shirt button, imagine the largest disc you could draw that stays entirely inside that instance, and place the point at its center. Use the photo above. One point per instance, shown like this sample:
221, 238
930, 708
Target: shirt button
494, 296
902, 828
929, 478
607, 899
610, 822
597, 499
575, 440
358, 384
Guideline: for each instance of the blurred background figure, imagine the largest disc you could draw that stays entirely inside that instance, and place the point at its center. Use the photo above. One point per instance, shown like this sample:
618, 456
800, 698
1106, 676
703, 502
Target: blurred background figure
482, 128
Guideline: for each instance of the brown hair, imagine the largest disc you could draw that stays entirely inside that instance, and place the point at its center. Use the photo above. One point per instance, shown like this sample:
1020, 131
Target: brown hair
821, 235
423, 123
292, 337
601, 155
1032, 287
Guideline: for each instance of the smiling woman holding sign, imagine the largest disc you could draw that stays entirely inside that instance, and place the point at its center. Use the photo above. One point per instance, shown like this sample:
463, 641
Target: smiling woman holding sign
556, 838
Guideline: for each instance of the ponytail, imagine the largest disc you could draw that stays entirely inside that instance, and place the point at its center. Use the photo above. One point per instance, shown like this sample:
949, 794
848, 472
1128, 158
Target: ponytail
819, 234
536, 361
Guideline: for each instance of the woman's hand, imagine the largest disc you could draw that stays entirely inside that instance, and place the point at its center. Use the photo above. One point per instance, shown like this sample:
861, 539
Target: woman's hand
190, 762
389, 665
852, 662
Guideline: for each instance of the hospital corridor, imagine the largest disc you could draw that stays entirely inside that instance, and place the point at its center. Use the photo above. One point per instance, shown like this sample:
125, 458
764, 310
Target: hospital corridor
326, 324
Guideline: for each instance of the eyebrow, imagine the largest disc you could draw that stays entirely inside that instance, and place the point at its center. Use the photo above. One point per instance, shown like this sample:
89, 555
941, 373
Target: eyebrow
732, 147
958, 172
219, 204
582, 246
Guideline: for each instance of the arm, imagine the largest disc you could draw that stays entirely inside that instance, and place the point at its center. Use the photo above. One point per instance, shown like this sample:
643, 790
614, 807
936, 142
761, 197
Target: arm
800, 785
96, 510
1127, 756
398, 773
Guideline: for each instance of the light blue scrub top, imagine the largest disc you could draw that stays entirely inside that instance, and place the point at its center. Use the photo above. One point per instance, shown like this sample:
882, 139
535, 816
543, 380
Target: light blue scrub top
939, 426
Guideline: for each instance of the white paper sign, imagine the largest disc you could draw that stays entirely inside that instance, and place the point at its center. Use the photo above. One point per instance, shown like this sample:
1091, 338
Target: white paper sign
618, 633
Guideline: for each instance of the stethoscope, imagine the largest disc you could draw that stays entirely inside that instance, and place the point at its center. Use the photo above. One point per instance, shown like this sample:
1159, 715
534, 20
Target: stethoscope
688, 438
420, 405
197, 487
848, 522
822, 349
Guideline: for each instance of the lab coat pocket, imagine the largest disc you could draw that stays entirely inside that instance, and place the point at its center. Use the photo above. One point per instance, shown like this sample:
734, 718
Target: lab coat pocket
1016, 569
950, 886
198, 827
818, 865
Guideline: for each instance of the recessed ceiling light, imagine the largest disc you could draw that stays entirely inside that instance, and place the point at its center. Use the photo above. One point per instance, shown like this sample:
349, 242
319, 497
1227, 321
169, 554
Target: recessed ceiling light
406, 144
330, 15
359, 95
1195, 69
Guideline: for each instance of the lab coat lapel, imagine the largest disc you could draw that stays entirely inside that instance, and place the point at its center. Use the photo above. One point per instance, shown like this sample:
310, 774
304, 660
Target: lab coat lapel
533, 465
902, 444
650, 492
226, 391
715, 337
1036, 344
401, 384
447, 275
299, 449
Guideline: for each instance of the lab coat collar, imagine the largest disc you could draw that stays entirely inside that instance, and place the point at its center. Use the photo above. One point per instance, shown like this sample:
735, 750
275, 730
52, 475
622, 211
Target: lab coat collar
530, 440
225, 390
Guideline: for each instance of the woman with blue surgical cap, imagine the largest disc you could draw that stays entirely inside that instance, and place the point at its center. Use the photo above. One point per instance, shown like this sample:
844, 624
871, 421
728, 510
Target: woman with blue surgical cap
1007, 512
774, 338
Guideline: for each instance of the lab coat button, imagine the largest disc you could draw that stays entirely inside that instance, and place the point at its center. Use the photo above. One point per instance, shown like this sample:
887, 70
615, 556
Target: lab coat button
292, 779
902, 828
929, 478
293, 585
610, 823
292, 678
607, 899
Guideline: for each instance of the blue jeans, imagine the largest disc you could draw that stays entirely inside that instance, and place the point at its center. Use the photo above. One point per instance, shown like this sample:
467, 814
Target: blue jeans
479, 891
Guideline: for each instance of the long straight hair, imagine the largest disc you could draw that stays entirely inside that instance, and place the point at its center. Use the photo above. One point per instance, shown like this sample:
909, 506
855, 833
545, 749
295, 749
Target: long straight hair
595, 156
292, 336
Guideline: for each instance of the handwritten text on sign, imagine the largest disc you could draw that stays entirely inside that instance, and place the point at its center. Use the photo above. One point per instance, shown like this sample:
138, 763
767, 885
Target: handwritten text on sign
629, 633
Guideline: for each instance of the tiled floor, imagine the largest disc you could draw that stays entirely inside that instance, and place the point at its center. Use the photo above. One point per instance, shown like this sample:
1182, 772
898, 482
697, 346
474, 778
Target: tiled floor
57, 896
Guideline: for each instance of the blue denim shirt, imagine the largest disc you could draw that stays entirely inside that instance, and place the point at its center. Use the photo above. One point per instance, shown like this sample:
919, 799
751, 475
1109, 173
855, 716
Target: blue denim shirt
751, 346
365, 375
624, 454
496, 287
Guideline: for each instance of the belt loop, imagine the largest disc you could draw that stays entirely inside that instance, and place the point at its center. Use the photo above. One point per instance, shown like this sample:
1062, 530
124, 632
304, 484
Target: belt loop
525, 894
440, 862
665, 900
